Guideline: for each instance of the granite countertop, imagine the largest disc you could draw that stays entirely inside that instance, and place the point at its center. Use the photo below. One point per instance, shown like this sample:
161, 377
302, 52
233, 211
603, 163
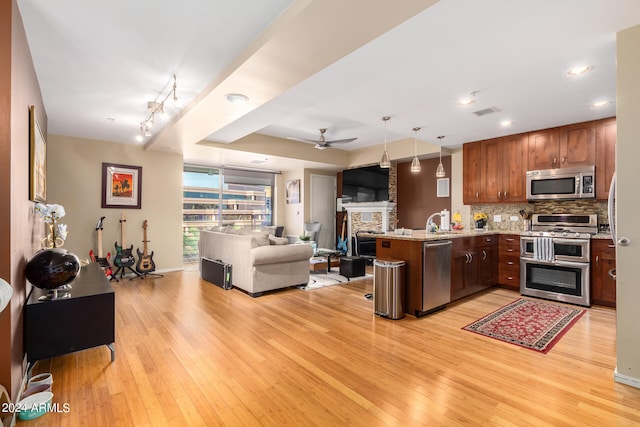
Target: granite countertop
422, 235
603, 236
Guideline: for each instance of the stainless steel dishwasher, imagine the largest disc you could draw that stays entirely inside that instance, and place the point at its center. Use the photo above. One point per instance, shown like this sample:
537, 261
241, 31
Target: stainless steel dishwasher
436, 274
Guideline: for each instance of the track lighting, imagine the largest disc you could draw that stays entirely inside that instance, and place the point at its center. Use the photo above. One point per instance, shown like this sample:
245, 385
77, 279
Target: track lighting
156, 107
415, 163
440, 173
384, 161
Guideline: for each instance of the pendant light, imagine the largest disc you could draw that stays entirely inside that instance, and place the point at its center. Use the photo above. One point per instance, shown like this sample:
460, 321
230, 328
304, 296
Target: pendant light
440, 173
415, 163
384, 161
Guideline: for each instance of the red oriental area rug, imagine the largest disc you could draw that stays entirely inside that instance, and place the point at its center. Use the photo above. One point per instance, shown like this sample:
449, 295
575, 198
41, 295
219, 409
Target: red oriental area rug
530, 324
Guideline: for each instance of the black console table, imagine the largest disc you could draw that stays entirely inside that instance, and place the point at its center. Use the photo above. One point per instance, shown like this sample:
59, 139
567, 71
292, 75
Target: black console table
82, 319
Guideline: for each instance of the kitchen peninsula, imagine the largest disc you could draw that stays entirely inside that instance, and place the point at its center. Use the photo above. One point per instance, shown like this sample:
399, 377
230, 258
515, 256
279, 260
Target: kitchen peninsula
474, 262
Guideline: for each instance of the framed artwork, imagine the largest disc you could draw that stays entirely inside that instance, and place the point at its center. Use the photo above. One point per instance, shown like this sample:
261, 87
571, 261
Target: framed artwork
121, 186
37, 160
293, 191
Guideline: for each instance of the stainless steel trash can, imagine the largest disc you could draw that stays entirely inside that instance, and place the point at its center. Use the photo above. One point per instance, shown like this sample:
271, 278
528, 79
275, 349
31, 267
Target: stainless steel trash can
388, 288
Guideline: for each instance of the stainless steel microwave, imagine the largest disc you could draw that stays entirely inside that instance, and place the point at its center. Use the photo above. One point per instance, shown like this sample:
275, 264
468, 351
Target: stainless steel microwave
562, 184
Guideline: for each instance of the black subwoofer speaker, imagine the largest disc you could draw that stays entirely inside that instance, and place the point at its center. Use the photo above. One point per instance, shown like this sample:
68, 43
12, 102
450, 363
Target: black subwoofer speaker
217, 272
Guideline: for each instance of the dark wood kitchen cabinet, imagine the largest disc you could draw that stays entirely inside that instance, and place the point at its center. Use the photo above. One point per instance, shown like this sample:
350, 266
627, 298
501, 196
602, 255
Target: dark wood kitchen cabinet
509, 261
606, 136
562, 147
472, 182
577, 144
603, 259
473, 265
504, 164
544, 149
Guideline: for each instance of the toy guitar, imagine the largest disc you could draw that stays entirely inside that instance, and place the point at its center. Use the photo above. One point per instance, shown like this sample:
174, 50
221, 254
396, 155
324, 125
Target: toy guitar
124, 256
103, 261
145, 261
342, 242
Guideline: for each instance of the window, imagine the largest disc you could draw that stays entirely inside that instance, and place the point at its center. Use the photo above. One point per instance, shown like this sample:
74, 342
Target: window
223, 197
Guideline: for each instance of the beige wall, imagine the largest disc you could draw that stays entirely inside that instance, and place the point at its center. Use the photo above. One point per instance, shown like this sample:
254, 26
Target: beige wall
627, 155
456, 189
294, 213
74, 175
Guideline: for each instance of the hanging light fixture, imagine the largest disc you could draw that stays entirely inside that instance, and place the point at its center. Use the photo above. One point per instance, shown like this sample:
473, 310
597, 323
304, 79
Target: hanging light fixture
156, 107
384, 161
440, 173
415, 163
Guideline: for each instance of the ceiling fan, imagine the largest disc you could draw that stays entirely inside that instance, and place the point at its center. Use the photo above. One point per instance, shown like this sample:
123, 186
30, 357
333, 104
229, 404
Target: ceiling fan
322, 143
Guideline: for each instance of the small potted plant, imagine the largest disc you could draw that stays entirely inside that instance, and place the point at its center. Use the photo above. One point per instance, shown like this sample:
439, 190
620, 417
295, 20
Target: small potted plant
305, 238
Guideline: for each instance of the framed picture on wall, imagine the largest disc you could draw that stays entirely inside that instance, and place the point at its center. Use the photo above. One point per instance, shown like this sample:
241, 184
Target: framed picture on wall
121, 186
37, 160
293, 191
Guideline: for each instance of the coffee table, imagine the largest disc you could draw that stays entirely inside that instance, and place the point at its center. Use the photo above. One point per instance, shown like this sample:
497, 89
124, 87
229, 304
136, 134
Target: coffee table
326, 265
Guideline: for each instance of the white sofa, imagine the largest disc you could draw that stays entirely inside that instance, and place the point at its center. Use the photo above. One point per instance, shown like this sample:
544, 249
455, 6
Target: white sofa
260, 263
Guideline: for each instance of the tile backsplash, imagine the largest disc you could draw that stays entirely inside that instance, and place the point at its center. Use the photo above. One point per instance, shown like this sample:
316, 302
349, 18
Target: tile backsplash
508, 210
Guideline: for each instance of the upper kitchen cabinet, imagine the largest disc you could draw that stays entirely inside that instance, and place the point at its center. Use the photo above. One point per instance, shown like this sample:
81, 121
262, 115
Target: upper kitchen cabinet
504, 168
544, 149
577, 144
472, 182
606, 135
566, 146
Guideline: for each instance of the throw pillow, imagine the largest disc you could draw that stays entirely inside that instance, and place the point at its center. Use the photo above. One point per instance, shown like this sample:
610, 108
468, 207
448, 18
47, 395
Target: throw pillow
273, 240
260, 238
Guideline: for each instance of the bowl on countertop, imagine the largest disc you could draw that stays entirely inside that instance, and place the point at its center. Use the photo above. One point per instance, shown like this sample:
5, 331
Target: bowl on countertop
403, 231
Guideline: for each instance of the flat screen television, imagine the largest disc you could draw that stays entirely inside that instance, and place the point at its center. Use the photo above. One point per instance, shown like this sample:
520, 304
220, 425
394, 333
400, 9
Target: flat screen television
365, 184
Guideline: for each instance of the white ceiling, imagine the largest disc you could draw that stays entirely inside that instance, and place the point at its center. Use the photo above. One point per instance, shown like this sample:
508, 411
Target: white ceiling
310, 64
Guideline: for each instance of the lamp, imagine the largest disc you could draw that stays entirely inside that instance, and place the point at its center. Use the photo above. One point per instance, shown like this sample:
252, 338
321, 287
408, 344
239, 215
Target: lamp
440, 173
415, 163
156, 107
384, 161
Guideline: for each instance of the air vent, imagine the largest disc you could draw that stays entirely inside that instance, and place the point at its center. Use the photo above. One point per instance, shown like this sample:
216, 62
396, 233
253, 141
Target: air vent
486, 111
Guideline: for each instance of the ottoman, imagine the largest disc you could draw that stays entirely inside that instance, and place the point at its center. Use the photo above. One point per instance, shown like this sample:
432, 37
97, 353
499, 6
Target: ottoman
352, 266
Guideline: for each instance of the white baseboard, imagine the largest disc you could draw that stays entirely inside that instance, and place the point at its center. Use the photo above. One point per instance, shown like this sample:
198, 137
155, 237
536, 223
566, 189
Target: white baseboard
626, 379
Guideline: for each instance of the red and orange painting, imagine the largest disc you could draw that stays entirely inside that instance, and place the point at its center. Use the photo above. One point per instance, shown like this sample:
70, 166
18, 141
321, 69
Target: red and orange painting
122, 185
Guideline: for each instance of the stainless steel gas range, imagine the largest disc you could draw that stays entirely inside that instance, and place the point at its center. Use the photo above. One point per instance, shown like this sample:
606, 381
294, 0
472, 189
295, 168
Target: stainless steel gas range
555, 257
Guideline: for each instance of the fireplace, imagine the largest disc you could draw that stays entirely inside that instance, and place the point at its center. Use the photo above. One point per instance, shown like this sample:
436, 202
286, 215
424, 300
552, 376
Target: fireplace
371, 216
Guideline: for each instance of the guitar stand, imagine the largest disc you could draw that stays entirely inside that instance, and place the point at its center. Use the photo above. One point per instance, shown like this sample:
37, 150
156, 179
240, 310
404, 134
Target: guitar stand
144, 275
121, 271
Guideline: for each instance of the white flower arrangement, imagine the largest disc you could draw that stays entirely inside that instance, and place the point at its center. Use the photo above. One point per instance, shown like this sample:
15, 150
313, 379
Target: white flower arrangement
50, 214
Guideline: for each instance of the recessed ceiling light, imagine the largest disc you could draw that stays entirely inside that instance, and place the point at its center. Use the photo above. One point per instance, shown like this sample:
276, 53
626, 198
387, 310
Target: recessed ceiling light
600, 104
466, 101
506, 123
579, 70
236, 98
139, 138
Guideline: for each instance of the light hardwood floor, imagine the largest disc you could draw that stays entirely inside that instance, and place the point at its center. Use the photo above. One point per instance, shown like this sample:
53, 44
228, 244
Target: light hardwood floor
189, 353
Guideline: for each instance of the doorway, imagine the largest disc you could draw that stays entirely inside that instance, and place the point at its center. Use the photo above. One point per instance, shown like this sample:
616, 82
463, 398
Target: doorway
323, 208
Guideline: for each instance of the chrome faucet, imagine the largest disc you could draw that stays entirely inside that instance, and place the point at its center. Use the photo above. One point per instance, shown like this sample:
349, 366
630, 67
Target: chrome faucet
430, 221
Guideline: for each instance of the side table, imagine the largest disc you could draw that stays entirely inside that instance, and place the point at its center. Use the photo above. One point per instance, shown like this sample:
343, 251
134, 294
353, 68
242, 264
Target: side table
83, 319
